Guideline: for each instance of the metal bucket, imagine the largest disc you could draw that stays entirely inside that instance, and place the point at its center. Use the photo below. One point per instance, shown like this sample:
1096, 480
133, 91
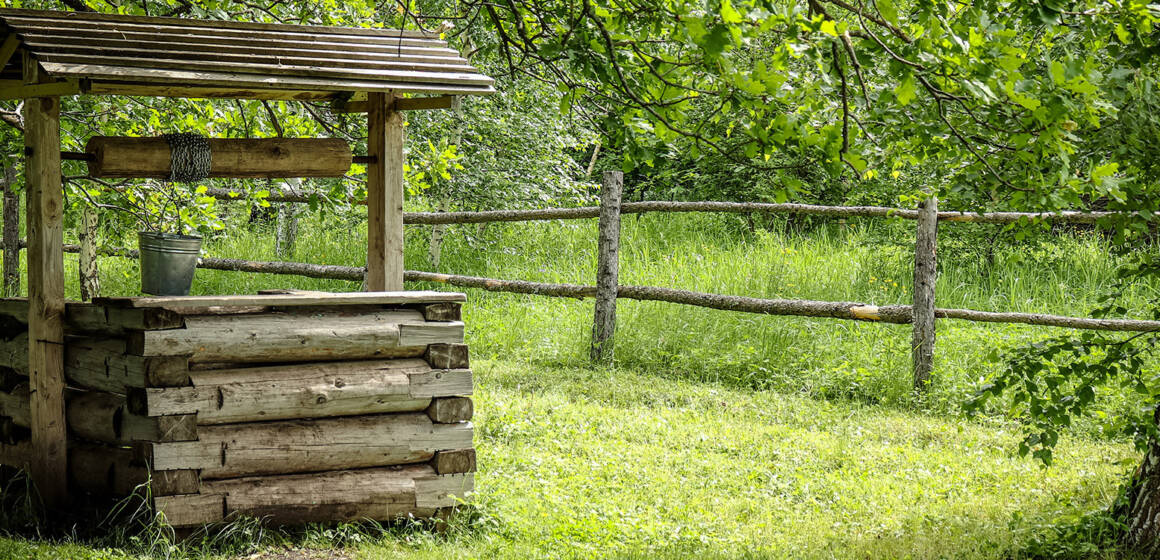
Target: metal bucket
168, 261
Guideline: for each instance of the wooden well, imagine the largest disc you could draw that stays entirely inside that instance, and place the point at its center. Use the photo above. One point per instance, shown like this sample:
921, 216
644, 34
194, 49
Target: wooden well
109, 395
297, 407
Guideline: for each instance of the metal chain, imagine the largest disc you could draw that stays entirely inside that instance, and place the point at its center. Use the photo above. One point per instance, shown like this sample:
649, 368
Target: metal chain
191, 158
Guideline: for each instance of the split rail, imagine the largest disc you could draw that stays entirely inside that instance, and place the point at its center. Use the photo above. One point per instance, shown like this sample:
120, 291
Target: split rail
921, 314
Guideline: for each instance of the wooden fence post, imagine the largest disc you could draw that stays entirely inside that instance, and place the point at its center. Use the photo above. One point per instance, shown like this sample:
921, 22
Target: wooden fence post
286, 229
607, 267
925, 277
11, 232
90, 274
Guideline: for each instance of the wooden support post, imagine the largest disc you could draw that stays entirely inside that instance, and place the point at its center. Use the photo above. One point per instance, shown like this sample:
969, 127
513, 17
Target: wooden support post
45, 291
925, 277
11, 232
607, 267
384, 195
90, 274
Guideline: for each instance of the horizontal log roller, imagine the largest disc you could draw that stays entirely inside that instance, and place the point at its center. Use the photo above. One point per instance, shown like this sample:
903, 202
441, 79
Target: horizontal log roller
287, 447
380, 494
305, 391
260, 158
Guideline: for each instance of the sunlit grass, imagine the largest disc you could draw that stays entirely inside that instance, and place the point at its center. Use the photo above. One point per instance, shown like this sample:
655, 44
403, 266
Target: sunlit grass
723, 434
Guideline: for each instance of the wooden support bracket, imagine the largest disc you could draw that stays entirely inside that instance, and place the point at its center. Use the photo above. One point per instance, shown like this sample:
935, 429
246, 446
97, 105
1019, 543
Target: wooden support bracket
8, 49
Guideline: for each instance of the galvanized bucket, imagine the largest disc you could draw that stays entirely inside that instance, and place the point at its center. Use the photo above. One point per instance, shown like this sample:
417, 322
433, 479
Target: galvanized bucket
168, 261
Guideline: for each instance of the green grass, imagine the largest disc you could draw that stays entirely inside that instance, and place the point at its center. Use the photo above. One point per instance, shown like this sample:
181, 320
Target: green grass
728, 435
580, 463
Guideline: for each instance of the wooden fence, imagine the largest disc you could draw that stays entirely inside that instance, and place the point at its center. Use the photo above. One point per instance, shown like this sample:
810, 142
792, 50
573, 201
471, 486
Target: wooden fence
922, 314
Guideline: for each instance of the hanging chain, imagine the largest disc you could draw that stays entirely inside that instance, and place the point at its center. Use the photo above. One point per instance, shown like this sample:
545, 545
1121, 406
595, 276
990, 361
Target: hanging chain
191, 159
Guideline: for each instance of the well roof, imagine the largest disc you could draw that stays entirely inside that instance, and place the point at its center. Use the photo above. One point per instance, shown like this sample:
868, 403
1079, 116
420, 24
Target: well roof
174, 57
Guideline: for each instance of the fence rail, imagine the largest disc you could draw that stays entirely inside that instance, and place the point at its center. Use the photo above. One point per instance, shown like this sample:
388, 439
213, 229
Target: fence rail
608, 291
848, 310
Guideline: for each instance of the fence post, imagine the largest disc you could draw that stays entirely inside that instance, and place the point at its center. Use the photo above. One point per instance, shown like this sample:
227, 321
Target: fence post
11, 232
607, 267
925, 277
286, 230
90, 274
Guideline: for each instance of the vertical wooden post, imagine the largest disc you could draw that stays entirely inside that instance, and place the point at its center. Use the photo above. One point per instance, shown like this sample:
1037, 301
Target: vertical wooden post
90, 274
925, 277
45, 291
607, 267
384, 195
11, 232
286, 235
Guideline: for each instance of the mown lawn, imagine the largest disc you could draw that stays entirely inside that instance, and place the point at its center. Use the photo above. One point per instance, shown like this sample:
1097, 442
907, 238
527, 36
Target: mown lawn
581, 463
721, 434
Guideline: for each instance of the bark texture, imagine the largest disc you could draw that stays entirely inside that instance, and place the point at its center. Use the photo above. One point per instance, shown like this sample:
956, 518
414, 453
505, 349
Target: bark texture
925, 278
1143, 507
607, 268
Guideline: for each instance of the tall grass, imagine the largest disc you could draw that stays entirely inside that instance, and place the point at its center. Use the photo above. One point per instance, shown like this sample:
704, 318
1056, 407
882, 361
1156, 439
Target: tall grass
721, 434
870, 262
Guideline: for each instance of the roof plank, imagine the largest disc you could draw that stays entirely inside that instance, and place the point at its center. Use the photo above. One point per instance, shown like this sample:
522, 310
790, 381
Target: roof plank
299, 33
271, 70
171, 21
258, 47
153, 54
135, 77
134, 55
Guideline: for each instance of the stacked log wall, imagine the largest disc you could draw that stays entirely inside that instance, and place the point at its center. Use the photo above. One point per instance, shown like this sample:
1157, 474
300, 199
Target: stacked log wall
288, 407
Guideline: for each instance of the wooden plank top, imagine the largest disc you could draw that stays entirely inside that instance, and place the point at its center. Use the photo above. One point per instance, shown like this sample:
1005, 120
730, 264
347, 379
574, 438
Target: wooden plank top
286, 299
125, 52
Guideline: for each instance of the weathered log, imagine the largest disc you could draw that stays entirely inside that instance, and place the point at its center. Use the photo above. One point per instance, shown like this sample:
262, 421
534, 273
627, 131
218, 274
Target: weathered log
305, 391
586, 212
126, 157
103, 417
286, 337
456, 461
17, 454
102, 365
378, 494
443, 312
190, 510
87, 318
448, 356
15, 405
233, 450
897, 314
44, 212
451, 410
607, 268
925, 278
285, 298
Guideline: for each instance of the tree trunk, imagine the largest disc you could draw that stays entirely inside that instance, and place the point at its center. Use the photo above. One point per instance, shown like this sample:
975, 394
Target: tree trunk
1143, 507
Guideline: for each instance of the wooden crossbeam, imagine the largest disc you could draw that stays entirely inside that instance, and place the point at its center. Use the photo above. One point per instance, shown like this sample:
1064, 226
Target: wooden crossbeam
354, 105
33, 91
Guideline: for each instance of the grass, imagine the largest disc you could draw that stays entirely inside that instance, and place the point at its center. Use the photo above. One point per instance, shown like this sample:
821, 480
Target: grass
727, 435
